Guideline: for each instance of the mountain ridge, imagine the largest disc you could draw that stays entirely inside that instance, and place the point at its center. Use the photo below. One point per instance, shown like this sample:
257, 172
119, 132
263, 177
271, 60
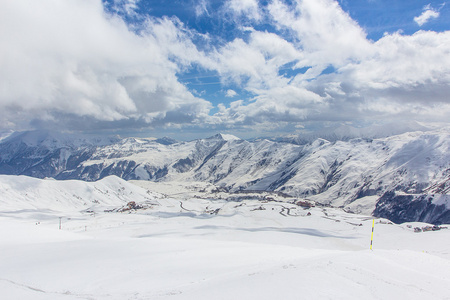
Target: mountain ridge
357, 174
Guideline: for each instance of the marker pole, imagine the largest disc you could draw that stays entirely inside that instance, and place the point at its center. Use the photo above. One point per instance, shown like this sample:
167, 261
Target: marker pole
371, 238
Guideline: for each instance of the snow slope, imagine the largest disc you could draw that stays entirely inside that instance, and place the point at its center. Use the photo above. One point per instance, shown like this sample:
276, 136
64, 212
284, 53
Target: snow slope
27, 193
190, 248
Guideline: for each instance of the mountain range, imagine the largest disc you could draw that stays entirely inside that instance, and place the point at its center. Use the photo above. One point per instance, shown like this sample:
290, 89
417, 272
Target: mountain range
404, 177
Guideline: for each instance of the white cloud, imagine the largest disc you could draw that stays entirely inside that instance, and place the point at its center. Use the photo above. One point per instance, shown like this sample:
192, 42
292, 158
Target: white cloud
201, 8
128, 7
230, 93
284, 104
405, 77
70, 57
402, 60
399, 75
427, 14
247, 8
71, 63
255, 64
323, 30
323, 35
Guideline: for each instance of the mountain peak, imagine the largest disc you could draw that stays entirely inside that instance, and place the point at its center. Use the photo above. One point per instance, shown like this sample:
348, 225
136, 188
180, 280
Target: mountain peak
224, 137
227, 137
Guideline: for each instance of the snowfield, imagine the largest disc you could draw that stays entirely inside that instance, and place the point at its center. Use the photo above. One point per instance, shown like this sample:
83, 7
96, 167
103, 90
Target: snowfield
178, 242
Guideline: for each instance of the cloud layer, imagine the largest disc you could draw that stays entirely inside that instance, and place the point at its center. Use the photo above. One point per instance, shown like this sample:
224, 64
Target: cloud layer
70, 57
72, 64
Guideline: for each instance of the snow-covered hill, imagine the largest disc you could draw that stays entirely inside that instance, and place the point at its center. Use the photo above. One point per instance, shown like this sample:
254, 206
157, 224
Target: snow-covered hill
28, 193
362, 175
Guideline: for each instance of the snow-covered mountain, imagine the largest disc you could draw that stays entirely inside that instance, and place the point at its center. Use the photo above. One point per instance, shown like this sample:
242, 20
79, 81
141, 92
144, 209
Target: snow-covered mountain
404, 177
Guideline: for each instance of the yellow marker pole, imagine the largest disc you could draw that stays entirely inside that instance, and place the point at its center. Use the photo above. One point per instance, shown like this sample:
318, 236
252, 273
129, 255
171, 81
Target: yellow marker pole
371, 238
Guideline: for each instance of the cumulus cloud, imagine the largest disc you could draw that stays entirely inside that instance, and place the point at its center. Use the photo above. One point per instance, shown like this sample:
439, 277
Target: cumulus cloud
320, 34
404, 76
427, 14
254, 64
71, 57
326, 33
403, 60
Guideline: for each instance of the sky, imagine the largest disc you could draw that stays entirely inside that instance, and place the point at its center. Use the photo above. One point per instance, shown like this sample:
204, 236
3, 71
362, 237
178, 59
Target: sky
191, 68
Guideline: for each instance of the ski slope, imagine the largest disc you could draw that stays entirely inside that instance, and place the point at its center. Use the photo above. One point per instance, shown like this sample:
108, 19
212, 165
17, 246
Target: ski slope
181, 246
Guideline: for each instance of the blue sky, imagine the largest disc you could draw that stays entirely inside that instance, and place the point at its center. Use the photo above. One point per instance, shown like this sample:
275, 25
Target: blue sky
378, 17
191, 68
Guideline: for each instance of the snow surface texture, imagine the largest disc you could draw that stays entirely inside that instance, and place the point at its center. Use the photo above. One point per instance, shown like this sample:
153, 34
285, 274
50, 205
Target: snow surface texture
361, 175
179, 247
